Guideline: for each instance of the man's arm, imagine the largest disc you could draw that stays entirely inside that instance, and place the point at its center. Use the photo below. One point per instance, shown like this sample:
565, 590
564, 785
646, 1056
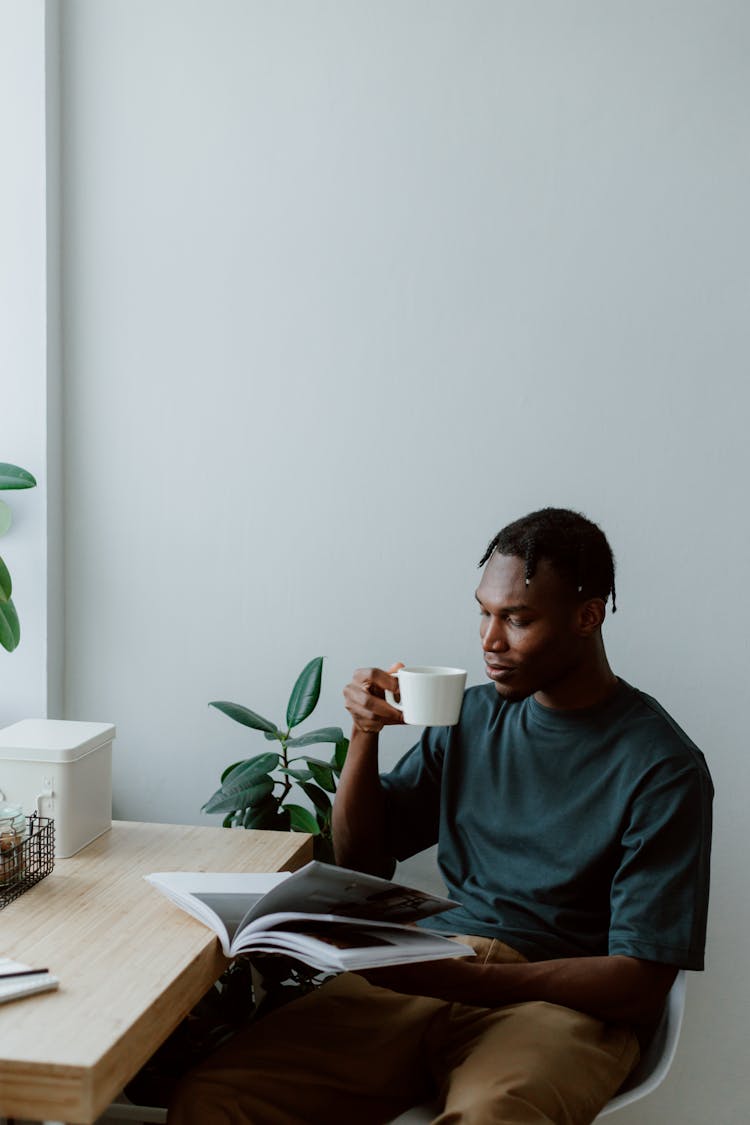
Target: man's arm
615, 989
359, 808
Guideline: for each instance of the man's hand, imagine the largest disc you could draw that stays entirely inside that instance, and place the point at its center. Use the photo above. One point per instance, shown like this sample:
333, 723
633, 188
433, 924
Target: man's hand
446, 979
365, 699
359, 828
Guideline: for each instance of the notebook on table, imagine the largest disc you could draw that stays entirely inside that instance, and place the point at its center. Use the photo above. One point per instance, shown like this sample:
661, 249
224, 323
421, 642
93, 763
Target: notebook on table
17, 980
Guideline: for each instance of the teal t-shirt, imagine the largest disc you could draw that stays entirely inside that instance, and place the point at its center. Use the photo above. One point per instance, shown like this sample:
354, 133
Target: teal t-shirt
563, 833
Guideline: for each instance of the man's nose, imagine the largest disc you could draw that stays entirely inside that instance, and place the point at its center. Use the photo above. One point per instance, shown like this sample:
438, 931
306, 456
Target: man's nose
494, 639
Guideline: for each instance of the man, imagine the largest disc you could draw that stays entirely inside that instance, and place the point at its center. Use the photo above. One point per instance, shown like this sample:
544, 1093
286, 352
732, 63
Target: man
573, 822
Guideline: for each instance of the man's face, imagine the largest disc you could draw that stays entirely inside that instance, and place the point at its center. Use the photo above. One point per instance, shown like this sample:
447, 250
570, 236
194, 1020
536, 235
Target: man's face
531, 636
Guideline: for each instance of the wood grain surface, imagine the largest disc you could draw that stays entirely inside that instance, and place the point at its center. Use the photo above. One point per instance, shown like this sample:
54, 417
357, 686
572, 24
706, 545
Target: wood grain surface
130, 963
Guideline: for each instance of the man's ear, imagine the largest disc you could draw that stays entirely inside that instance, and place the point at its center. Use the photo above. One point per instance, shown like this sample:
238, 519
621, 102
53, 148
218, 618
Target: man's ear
591, 614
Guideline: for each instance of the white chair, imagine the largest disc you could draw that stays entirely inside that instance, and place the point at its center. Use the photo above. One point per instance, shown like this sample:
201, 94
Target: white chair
656, 1058
652, 1069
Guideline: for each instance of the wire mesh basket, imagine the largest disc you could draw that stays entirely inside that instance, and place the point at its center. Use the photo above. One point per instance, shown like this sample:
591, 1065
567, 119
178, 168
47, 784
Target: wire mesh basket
24, 863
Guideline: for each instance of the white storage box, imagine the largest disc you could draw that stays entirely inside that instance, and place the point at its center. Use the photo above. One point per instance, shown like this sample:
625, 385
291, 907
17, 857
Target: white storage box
60, 769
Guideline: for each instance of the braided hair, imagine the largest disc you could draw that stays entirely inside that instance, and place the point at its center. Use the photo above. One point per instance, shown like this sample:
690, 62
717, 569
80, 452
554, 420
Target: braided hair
574, 546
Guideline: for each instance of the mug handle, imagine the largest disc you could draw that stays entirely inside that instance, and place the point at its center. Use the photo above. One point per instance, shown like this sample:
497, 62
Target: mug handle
391, 698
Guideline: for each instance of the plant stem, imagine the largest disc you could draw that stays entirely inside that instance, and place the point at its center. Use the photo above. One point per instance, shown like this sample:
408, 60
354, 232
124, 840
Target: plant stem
285, 760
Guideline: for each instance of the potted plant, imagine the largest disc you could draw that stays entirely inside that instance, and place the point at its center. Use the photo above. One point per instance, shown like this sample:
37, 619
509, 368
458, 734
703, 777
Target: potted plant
254, 792
11, 477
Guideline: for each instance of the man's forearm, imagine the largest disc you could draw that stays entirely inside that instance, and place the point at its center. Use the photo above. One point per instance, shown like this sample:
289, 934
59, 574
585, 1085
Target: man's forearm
619, 989
615, 989
359, 810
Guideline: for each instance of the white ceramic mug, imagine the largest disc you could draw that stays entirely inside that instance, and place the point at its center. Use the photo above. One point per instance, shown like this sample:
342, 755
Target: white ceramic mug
430, 697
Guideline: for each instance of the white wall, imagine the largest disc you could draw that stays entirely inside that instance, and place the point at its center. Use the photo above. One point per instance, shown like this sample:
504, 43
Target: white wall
30, 376
348, 286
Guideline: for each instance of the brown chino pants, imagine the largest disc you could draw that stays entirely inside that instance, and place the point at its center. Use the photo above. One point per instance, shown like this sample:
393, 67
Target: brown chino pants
354, 1054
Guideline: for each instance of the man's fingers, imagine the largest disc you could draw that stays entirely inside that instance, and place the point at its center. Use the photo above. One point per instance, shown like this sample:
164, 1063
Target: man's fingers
395, 668
365, 698
360, 704
376, 680
373, 680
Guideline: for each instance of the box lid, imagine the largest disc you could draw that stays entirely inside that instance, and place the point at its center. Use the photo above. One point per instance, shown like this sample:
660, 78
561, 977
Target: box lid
52, 740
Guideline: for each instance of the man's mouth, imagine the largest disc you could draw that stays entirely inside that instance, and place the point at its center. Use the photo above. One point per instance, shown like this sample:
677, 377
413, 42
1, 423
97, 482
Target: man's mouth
499, 671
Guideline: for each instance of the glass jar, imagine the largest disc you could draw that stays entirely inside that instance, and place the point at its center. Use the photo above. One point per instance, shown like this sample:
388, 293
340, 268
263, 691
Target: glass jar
12, 836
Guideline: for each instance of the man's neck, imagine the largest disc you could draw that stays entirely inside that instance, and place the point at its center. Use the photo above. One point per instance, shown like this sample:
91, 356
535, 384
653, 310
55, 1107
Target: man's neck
585, 686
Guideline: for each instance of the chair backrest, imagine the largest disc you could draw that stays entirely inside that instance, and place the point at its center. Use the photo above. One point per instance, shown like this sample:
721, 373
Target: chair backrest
657, 1057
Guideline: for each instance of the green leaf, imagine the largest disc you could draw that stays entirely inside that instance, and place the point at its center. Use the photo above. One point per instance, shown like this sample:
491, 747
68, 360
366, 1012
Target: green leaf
235, 796
6, 517
229, 769
324, 820
305, 693
264, 815
6, 586
244, 715
314, 737
302, 820
251, 769
339, 755
323, 774
10, 630
298, 775
11, 476
320, 799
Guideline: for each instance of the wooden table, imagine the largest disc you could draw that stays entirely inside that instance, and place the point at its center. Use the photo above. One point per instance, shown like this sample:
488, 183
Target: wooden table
130, 963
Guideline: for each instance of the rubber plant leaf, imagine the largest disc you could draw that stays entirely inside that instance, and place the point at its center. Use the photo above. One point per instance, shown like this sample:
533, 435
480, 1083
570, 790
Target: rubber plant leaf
323, 774
244, 715
305, 693
12, 476
339, 755
229, 769
10, 630
302, 820
265, 815
250, 769
6, 586
315, 737
238, 796
298, 775
320, 799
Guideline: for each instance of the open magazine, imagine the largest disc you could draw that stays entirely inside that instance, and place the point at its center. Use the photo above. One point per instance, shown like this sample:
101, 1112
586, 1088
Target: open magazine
328, 917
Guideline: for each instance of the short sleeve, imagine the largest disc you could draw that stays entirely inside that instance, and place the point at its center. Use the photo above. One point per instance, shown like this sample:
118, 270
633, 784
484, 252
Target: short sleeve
659, 899
412, 796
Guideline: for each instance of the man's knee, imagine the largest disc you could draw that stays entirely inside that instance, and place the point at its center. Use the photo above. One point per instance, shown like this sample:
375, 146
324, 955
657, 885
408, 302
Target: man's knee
535, 1063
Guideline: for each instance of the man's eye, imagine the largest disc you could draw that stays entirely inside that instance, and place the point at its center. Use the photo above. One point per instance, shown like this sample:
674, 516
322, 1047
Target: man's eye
518, 622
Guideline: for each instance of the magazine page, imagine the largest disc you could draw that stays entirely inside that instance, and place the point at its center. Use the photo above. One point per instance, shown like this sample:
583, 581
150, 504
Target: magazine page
387, 942
321, 888
330, 943
219, 900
